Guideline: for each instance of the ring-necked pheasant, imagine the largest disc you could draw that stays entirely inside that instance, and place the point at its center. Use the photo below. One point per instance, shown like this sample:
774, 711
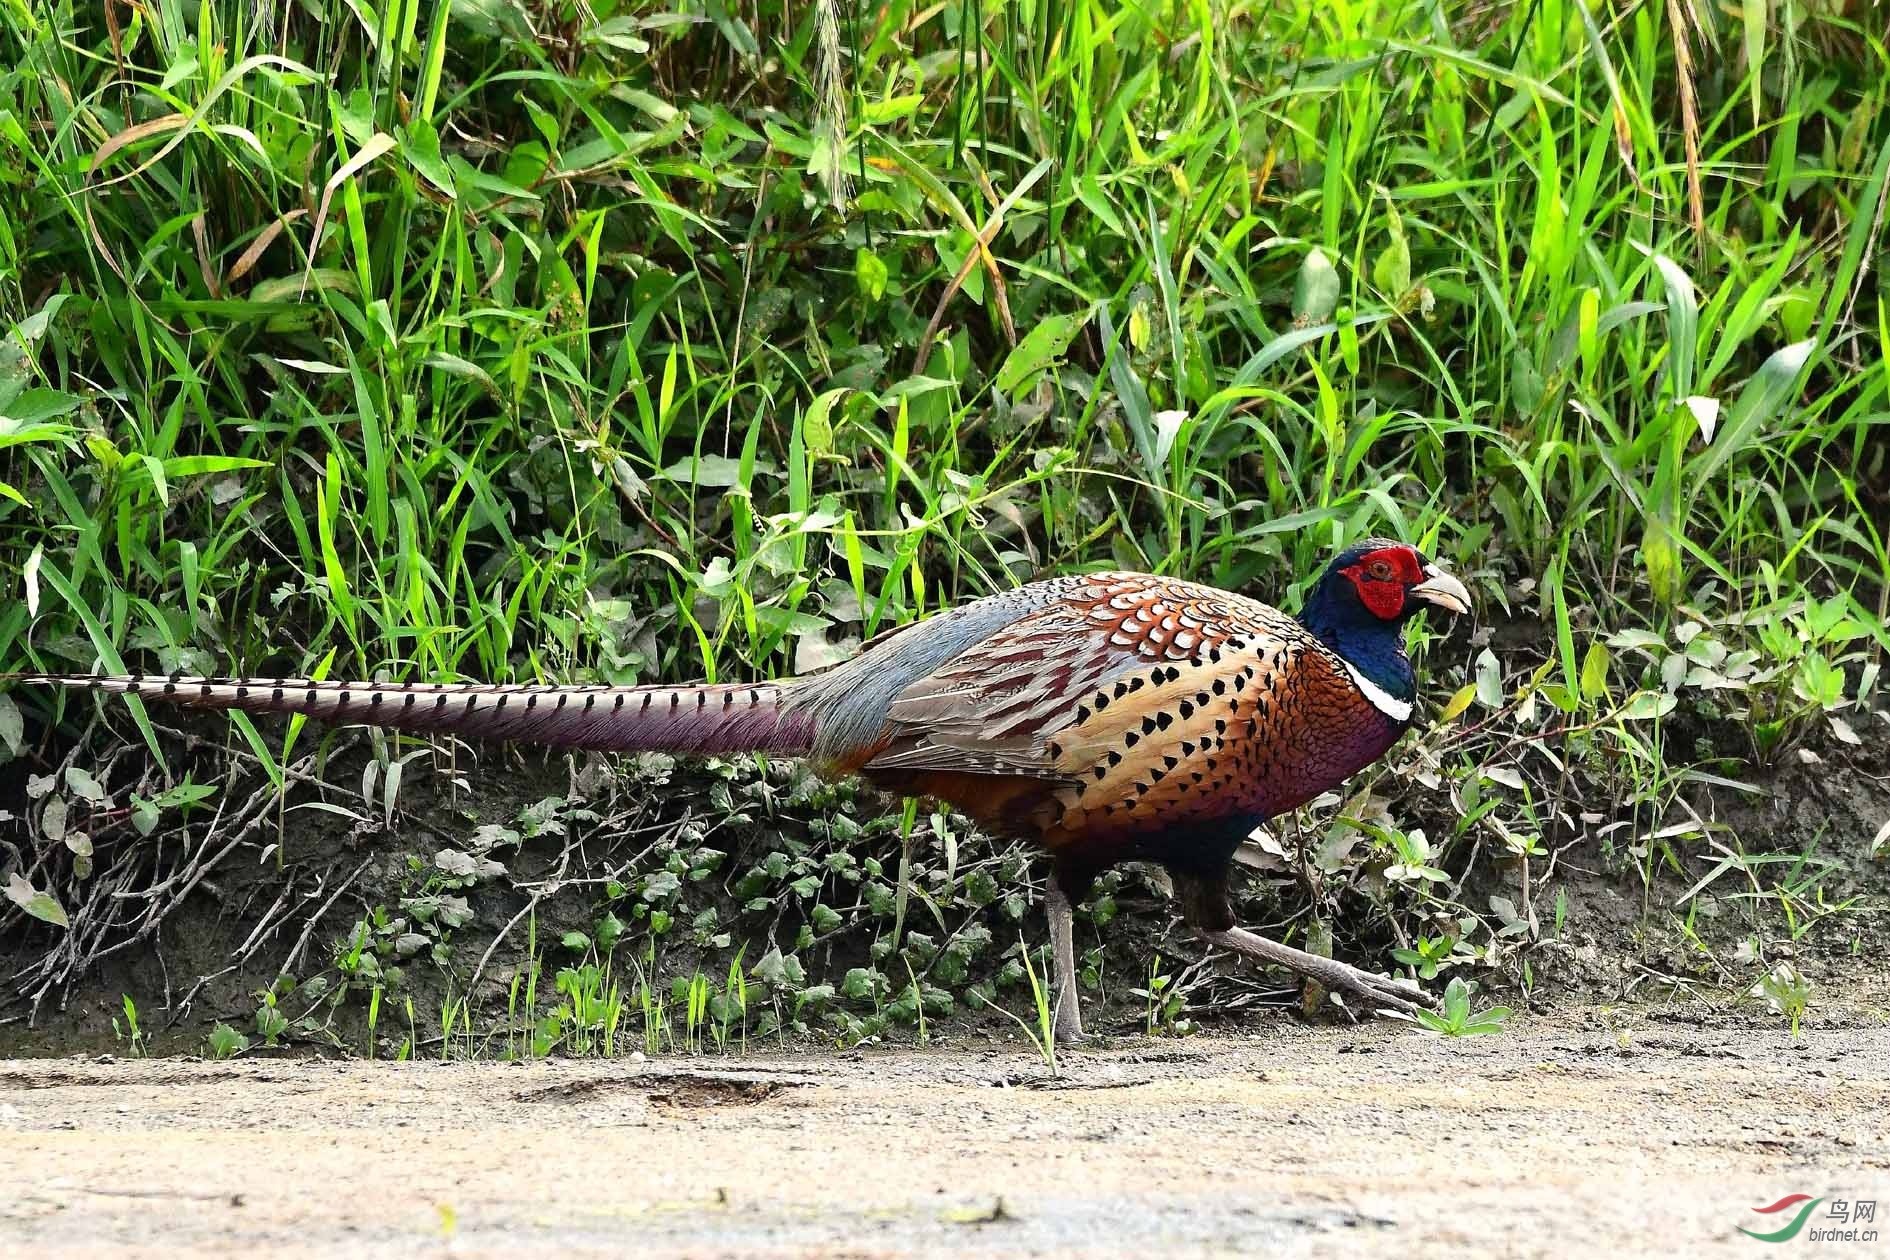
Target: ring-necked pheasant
1110, 717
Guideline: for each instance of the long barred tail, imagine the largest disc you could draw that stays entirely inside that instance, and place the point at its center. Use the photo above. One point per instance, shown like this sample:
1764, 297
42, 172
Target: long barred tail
717, 719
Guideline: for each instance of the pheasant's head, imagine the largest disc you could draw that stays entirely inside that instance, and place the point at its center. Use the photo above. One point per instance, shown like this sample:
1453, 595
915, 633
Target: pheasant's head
1359, 605
1390, 582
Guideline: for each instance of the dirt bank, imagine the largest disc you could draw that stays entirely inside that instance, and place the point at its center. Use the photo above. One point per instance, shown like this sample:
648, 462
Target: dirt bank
1609, 1131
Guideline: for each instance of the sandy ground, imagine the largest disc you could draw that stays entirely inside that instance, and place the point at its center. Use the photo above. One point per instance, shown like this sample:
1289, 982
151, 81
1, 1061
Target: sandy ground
1616, 1135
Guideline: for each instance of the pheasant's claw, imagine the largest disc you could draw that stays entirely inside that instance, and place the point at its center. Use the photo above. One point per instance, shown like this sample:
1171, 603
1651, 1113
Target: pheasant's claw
1373, 992
1377, 992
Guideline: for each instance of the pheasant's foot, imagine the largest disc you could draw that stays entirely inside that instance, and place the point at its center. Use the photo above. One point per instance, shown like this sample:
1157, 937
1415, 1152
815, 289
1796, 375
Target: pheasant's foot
1069, 1028
1379, 992
1374, 991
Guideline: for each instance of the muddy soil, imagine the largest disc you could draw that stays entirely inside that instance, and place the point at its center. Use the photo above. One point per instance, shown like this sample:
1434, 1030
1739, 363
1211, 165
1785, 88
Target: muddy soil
1606, 1131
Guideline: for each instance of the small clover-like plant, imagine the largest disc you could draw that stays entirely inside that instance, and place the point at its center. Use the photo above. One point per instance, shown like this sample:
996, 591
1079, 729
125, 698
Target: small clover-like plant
1427, 955
225, 1042
1458, 1020
1787, 991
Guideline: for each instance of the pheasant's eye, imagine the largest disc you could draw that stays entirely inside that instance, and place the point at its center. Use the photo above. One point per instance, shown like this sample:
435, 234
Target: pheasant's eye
1380, 570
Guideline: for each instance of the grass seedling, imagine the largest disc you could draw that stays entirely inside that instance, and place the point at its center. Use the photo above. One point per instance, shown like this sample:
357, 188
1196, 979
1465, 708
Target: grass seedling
918, 999
373, 1018
1162, 1004
534, 965
734, 1003
695, 1000
130, 1035
655, 1011
511, 1015
449, 1015
271, 1023
591, 1009
613, 1015
1046, 1018
1042, 1032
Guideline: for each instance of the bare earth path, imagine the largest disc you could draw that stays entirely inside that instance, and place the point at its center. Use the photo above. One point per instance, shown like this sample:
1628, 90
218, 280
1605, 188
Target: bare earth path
1579, 1137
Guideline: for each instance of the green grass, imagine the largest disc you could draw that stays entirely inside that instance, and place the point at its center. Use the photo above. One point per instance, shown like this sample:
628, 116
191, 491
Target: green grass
524, 340
478, 353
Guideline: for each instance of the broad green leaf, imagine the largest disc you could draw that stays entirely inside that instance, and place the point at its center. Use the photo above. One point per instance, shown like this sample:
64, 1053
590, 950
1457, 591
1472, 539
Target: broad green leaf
1645, 706
1758, 403
41, 905
52, 819
84, 786
716, 471
1041, 347
38, 405
1595, 671
12, 725
1316, 291
1683, 325
1391, 273
1756, 19
1458, 704
420, 145
1661, 558
816, 424
870, 274
1489, 680
891, 109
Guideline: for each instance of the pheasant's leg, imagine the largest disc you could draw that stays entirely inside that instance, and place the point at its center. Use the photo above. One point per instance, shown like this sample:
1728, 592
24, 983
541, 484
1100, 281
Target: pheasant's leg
1375, 991
1068, 1019
1205, 906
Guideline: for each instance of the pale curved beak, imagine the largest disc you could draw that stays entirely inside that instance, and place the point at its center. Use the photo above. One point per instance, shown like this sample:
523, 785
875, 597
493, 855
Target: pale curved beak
1439, 588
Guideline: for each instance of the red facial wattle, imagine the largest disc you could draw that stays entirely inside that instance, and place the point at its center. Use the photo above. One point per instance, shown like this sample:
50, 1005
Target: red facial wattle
1384, 599
1382, 577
